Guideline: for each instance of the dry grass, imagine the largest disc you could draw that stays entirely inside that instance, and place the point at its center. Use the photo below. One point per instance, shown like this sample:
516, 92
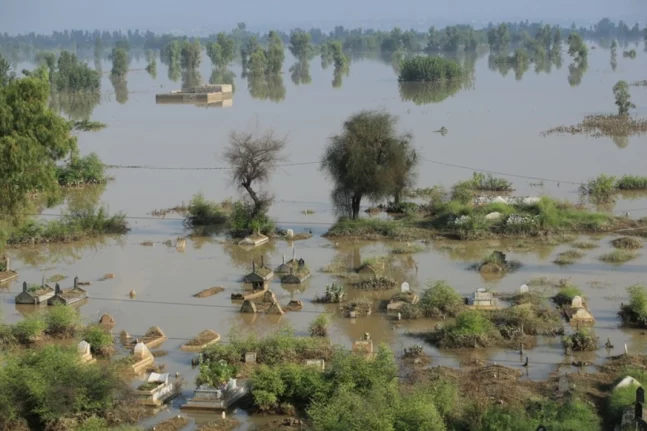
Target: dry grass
598, 126
618, 256
584, 245
568, 257
627, 242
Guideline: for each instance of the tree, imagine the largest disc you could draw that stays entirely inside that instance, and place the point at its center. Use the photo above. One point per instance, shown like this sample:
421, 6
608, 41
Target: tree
300, 44
577, 48
190, 54
32, 139
499, 38
429, 69
623, 98
6, 76
75, 76
275, 54
252, 156
367, 160
221, 52
119, 64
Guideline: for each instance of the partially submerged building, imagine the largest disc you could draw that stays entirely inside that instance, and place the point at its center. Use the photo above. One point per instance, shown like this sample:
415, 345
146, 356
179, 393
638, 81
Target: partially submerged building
297, 276
202, 95
577, 312
6, 273
253, 240
482, 299
34, 294
156, 390
260, 276
68, 296
207, 398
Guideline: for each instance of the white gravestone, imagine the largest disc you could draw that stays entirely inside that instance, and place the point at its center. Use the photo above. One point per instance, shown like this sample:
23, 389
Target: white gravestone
404, 288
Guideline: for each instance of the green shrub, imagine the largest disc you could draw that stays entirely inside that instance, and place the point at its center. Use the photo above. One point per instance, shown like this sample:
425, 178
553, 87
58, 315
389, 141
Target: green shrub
631, 182
440, 299
319, 326
568, 257
566, 295
407, 208
202, 212
82, 170
581, 341
50, 383
29, 329
463, 192
242, 221
584, 245
214, 372
471, 329
101, 341
601, 189
429, 69
61, 321
638, 300
487, 182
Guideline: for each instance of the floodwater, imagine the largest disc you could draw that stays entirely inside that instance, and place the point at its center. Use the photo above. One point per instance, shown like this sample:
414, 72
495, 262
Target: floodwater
495, 125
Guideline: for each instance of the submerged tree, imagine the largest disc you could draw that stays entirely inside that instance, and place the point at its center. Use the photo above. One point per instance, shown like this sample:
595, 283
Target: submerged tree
151, 67
577, 48
275, 53
253, 156
6, 75
75, 76
300, 72
221, 52
119, 63
623, 98
368, 159
190, 54
499, 38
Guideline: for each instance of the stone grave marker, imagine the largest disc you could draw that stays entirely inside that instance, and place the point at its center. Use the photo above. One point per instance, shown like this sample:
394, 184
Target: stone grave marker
141, 351
523, 288
269, 297
84, 348
250, 357
248, 307
275, 308
319, 363
576, 302
404, 287
562, 385
640, 395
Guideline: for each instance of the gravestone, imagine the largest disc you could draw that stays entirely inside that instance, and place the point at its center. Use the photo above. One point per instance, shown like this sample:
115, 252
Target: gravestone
250, 357
231, 384
365, 346
352, 314
404, 287
84, 348
290, 234
576, 302
523, 288
107, 320
248, 307
562, 384
640, 395
141, 351
275, 308
269, 297
319, 363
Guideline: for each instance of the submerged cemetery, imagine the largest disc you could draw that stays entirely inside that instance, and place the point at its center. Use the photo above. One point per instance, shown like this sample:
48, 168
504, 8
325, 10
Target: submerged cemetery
437, 228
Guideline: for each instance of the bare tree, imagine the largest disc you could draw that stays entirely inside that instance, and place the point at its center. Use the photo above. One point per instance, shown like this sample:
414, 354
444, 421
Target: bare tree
253, 156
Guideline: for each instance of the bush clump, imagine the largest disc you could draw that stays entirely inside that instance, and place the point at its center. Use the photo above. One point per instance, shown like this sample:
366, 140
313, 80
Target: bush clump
584, 340
472, 329
635, 313
243, 221
202, 212
631, 182
101, 341
78, 225
61, 321
440, 299
319, 326
584, 245
627, 242
618, 256
82, 171
566, 294
335, 293
483, 182
429, 69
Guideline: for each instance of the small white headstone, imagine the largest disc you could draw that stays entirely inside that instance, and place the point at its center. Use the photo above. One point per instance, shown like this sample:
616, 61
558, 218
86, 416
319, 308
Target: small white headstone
523, 288
250, 357
576, 302
231, 385
84, 348
290, 234
404, 288
141, 351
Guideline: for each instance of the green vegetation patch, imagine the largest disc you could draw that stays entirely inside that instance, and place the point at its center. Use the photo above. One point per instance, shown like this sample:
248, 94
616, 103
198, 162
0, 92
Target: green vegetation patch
618, 256
634, 314
584, 245
566, 294
584, 340
472, 329
568, 257
429, 69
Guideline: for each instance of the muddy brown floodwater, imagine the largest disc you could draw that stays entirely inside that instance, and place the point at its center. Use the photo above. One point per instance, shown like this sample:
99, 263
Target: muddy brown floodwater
495, 125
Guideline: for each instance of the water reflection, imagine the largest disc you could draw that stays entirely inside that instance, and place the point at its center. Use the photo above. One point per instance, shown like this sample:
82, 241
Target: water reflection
242, 259
77, 106
85, 198
59, 254
174, 71
223, 76
266, 87
621, 141
576, 71
338, 75
300, 72
121, 89
422, 93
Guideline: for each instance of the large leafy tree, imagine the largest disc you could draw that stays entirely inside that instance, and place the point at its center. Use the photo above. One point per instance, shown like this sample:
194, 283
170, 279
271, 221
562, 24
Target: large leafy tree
623, 98
300, 44
32, 139
5, 72
368, 159
119, 64
275, 54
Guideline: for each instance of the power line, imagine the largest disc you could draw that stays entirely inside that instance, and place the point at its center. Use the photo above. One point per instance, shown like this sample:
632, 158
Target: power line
205, 168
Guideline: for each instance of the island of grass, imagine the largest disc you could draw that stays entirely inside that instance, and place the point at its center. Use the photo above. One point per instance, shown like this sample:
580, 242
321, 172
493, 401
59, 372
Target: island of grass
465, 220
429, 69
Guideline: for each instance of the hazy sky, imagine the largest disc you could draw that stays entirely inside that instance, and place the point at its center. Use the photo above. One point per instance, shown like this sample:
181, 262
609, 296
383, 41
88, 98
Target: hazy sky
46, 15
